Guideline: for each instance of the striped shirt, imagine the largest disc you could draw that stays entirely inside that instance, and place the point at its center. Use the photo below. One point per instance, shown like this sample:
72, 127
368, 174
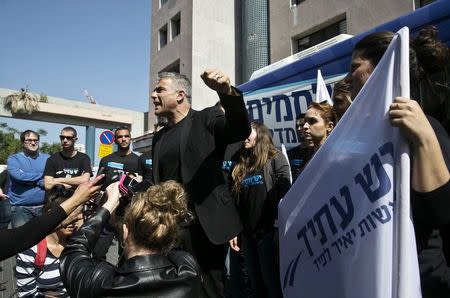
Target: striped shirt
32, 282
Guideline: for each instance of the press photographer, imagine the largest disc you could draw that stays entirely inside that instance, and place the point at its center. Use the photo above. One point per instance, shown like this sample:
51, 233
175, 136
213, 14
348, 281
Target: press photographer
151, 267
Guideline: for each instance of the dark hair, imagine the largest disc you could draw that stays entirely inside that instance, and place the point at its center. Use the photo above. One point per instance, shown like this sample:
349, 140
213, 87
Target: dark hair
56, 196
426, 53
70, 128
343, 86
254, 159
121, 128
26, 133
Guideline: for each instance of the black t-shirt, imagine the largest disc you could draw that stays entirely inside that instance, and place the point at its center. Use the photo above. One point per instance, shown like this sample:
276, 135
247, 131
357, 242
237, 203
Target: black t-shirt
169, 153
60, 166
147, 166
298, 158
252, 203
128, 164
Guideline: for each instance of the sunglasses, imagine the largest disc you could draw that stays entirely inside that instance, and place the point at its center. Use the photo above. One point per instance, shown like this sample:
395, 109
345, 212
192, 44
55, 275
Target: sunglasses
69, 138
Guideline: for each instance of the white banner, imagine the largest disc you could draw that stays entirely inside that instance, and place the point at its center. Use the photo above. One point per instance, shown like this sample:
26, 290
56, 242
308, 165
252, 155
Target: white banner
278, 107
340, 227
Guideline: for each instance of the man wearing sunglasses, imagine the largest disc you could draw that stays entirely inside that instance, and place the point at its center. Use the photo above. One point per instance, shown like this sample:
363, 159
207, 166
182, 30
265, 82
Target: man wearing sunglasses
67, 167
25, 170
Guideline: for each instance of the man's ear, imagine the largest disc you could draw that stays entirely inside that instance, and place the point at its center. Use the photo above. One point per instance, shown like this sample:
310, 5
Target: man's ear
181, 96
330, 127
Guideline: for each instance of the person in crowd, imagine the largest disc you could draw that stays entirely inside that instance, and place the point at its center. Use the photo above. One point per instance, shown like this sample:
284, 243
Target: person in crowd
25, 170
319, 122
189, 150
123, 161
36, 229
150, 230
37, 268
146, 158
5, 209
341, 97
5, 205
300, 154
67, 167
429, 149
261, 178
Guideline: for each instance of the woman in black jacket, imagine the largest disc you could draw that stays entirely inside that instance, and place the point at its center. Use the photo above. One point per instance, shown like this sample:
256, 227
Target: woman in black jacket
151, 268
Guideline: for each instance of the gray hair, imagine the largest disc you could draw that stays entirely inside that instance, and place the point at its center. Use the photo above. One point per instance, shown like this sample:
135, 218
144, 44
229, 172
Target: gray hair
181, 82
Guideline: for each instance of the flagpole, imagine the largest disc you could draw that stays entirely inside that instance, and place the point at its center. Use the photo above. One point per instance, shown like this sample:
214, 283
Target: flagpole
403, 234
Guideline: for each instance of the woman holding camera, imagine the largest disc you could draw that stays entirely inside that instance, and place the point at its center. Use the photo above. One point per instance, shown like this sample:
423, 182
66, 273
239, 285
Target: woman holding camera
150, 230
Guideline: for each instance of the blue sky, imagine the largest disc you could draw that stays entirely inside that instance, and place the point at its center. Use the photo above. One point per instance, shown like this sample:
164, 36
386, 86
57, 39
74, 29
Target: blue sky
61, 47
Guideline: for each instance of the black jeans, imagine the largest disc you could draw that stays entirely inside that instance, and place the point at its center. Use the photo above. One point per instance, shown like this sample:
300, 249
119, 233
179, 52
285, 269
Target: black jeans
260, 255
210, 257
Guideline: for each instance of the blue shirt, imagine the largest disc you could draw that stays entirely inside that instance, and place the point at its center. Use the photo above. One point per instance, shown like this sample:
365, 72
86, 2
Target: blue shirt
26, 179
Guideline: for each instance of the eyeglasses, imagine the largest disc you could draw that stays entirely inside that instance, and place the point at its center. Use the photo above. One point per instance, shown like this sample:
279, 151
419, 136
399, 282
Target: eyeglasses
29, 141
122, 136
69, 138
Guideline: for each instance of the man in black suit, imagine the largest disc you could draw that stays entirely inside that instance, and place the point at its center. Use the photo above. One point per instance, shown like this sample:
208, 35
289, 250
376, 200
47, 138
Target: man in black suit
190, 149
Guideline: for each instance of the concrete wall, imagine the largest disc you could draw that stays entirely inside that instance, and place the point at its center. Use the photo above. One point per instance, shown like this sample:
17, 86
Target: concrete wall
178, 48
65, 111
213, 45
207, 39
287, 22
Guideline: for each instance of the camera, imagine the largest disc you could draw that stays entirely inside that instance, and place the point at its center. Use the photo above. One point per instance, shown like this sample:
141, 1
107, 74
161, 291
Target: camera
129, 186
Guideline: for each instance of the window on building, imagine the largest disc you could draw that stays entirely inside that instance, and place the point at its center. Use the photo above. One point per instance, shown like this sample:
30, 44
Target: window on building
162, 37
172, 67
296, 2
175, 26
319, 36
421, 3
162, 2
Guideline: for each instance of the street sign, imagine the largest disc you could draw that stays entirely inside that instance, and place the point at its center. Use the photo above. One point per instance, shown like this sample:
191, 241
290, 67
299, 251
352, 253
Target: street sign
104, 150
106, 137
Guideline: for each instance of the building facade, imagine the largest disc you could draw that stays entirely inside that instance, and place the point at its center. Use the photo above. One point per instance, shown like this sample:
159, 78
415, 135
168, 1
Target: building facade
241, 36
296, 25
188, 37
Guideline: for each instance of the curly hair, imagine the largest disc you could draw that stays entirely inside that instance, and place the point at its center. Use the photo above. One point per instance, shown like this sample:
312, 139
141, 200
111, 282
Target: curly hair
154, 216
254, 159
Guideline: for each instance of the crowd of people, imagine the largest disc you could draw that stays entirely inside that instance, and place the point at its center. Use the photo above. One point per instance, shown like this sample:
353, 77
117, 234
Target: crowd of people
207, 225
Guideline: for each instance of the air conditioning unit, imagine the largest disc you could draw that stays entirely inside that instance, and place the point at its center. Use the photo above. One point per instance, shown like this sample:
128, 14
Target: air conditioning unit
300, 55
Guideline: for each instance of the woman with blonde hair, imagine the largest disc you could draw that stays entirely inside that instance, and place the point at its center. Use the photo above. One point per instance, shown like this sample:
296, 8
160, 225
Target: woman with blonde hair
151, 267
260, 179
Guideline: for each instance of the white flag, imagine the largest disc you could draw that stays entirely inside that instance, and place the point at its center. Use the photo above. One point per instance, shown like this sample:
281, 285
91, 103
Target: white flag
283, 149
321, 90
346, 218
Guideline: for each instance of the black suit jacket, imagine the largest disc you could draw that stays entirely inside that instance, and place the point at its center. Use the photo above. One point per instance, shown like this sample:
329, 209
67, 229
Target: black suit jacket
203, 142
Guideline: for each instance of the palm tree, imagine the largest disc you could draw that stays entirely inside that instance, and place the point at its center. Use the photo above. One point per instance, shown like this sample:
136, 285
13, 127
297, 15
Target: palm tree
21, 102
